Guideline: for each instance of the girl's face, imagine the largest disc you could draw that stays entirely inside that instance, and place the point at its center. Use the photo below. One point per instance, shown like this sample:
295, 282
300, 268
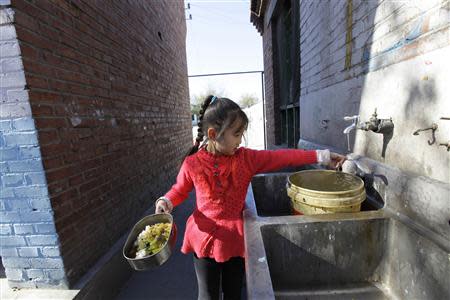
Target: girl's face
231, 139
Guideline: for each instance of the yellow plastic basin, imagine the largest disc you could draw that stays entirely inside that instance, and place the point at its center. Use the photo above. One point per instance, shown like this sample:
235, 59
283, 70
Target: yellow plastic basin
325, 191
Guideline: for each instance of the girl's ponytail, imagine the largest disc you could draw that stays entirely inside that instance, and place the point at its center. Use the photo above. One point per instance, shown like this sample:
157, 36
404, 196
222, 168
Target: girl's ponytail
200, 133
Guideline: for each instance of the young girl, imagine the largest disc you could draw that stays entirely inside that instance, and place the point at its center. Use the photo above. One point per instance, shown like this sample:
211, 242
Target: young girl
220, 172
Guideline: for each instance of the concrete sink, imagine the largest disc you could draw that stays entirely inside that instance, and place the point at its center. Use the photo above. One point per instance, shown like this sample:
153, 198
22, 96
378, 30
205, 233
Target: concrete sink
271, 198
365, 255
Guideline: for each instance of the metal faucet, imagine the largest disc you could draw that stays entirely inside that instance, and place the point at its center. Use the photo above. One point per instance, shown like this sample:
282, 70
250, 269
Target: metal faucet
433, 128
384, 126
377, 125
348, 129
355, 120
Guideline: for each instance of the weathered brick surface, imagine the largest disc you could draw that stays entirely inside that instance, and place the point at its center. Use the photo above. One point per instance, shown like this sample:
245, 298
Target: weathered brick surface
24, 201
108, 92
390, 57
269, 88
382, 33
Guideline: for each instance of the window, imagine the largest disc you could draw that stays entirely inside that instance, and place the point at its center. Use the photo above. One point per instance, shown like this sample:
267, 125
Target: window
286, 64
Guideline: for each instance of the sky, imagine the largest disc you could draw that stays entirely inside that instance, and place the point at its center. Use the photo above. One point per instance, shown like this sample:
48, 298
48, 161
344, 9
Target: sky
221, 39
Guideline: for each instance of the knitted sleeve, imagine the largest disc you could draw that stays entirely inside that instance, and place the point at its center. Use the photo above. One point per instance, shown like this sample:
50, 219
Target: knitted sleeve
180, 190
271, 160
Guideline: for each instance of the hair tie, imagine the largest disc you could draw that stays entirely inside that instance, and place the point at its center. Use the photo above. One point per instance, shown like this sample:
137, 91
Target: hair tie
214, 98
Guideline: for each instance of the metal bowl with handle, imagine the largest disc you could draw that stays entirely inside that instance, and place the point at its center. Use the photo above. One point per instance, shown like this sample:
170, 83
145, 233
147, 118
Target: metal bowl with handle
156, 259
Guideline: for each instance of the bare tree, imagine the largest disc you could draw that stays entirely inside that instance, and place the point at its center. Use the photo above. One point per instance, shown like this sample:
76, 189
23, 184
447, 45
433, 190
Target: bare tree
197, 99
248, 100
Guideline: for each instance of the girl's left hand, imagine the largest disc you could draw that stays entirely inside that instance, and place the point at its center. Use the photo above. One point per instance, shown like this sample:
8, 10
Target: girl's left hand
336, 161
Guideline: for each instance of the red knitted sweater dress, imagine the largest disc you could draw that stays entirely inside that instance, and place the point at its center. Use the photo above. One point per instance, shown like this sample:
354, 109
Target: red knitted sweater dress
215, 228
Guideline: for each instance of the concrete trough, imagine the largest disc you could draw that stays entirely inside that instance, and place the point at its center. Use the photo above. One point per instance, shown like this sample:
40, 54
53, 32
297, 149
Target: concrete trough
372, 254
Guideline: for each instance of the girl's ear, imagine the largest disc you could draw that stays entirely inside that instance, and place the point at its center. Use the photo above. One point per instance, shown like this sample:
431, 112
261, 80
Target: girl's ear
211, 133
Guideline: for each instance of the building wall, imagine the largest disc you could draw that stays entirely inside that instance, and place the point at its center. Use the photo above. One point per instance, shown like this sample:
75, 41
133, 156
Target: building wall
108, 91
269, 87
29, 243
392, 56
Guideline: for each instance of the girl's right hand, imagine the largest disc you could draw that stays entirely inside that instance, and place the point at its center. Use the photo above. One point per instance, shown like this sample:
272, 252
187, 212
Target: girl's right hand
163, 205
336, 161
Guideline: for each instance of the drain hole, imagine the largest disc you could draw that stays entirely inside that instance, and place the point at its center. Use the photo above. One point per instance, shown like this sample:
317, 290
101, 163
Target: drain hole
160, 36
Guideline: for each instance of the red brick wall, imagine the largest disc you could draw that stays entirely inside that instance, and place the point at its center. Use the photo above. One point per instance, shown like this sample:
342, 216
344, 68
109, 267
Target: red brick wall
109, 95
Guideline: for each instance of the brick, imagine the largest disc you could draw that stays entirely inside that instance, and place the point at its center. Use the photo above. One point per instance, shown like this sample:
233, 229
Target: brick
29, 152
10, 217
50, 263
35, 274
30, 165
5, 125
14, 274
19, 109
44, 240
12, 180
48, 137
37, 216
23, 229
12, 241
61, 173
15, 262
30, 53
50, 251
31, 191
53, 163
38, 82
7, 32
51, 123
17, 95
42, 109
35, 178
56, 274
8, 252
9, 153
40, 203
6, 193
17, 204
28, 251
45, 228
9, 49
6, 16
11, 65
37, 68
13, 79
5, 229
23, 124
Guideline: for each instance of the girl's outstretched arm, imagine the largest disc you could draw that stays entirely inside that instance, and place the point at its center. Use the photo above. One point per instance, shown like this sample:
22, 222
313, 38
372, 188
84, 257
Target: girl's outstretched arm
183, 186
271, 160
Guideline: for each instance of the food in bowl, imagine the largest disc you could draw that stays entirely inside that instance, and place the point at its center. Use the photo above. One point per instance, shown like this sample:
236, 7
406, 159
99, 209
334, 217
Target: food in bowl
152, 239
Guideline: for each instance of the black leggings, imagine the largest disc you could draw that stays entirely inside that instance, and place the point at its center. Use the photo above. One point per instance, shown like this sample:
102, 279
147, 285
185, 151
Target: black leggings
208, 277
